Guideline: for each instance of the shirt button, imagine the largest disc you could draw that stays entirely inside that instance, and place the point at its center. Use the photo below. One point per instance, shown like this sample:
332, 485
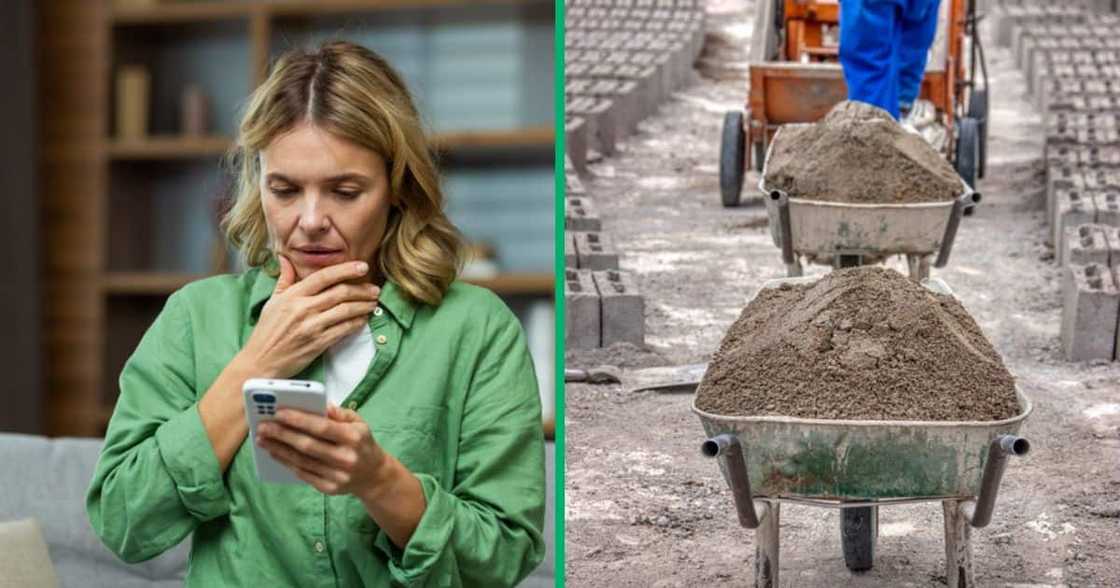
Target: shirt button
319, 547
381, 339
377, 311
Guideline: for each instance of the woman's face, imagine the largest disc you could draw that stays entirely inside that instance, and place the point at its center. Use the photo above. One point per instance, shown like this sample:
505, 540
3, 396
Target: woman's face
326, 200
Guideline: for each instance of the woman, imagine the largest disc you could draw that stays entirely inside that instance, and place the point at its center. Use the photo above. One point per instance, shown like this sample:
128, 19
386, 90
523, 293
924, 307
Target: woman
429, 472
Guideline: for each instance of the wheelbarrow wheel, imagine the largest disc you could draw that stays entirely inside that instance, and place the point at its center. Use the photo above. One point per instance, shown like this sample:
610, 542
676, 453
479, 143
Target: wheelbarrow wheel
978, 109
968, 150
859, 527
731, 152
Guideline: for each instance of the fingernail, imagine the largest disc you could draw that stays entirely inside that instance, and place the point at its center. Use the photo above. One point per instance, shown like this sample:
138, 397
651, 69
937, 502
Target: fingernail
362, 267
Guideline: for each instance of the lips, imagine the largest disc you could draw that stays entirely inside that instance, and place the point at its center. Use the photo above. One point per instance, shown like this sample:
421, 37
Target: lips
319, 256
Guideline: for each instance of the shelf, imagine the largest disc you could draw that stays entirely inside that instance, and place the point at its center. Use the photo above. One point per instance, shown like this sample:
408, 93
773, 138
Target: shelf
145, 283
163, 284
167, 147
541, 137
162, 147
511, 284
160, 14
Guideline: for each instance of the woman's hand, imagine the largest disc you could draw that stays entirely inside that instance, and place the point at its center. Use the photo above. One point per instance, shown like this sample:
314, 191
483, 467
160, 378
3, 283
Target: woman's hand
338, 455
303, 319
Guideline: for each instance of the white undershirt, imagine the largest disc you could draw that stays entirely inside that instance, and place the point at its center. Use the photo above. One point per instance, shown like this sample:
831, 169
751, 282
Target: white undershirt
347, 362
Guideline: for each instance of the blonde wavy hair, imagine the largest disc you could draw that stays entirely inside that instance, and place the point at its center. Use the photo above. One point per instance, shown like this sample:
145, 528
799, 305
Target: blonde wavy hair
354, 94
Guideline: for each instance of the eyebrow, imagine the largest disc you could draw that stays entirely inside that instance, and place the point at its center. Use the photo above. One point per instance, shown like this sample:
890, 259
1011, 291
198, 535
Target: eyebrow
333, 179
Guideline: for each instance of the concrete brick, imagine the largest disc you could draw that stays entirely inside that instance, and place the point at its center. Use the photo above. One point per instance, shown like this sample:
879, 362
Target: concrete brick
1107, 204
570, 258
1071, 208
1112, 236
1090, 305
576, 142
1060, 177
580, 215
623, 308
602, 131
582, 310
596, 251
573, 187
1084, 244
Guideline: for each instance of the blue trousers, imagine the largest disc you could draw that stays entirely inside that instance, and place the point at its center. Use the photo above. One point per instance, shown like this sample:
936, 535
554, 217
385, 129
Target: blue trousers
884, 45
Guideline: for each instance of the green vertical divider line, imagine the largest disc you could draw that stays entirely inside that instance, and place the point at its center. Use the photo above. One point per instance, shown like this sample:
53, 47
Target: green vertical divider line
558, 265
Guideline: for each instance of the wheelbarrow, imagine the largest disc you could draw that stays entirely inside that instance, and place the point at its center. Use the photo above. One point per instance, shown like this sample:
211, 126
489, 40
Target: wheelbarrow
858, 466
845, 234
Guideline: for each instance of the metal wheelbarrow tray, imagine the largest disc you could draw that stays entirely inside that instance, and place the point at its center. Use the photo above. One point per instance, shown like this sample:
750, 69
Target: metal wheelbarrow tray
861, 465
846, 234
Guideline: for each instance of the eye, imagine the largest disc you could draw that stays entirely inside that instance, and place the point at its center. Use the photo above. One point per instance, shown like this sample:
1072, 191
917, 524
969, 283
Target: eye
283, 191
349, 194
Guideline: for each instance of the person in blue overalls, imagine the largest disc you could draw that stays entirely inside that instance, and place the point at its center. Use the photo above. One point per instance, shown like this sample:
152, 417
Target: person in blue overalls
884, 45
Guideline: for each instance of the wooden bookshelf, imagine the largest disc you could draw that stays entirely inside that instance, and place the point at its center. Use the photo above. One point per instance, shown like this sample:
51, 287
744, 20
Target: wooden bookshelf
158, 14
163, 284
103, 286
168, 147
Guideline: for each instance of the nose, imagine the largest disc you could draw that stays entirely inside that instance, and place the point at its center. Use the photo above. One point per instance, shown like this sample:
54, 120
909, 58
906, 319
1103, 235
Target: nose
314, 217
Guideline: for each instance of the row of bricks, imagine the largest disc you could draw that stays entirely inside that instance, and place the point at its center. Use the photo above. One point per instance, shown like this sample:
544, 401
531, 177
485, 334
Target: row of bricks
576, 5
1008, 18
601, 111
616, 25
1056, 136
576, 19
602, 308
1051, 102
1083, 156
1040, 49
1086, 179
591, 34
629, 40
589, 250
1037, 75
1060, 121
1071, 207
1090, 309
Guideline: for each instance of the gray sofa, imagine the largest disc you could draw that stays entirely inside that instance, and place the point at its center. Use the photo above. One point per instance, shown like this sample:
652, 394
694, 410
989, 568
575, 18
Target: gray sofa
46, 479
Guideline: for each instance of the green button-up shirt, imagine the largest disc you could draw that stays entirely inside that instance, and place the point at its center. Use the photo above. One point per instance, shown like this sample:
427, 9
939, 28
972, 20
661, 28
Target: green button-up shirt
451, 393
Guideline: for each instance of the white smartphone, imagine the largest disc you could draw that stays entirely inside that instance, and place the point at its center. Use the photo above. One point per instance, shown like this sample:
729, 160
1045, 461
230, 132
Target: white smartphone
263, 397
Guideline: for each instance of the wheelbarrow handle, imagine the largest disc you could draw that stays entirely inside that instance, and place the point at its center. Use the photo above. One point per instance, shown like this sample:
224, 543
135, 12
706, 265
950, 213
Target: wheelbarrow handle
781, 199
966, 200
728, 447
999, 450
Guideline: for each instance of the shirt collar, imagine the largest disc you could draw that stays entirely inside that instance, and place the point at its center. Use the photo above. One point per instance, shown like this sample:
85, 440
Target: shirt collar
392, 299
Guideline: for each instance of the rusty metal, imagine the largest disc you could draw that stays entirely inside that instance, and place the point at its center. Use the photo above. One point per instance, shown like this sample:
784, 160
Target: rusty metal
734, 458
999, 450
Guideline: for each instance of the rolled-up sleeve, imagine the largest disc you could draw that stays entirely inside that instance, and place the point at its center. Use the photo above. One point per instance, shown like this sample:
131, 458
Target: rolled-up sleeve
489, 523
157, 477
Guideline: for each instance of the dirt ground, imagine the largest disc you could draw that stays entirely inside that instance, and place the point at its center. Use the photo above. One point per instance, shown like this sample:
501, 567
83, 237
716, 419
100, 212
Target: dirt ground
643, 509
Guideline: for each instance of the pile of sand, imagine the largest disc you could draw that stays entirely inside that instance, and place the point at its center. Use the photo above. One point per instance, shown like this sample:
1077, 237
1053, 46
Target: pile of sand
863, 343
859, 153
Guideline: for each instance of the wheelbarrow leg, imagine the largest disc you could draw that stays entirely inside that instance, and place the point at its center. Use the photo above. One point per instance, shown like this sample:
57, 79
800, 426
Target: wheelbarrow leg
766, 547
859, 529
919, 266
958, 548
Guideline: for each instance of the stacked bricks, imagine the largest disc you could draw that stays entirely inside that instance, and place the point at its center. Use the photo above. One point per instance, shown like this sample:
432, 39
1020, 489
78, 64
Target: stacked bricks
1070, 56
602, 303
623, 58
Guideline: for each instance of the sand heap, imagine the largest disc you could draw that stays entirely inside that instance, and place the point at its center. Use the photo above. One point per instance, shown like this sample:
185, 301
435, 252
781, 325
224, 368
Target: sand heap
863, 343
858, 153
